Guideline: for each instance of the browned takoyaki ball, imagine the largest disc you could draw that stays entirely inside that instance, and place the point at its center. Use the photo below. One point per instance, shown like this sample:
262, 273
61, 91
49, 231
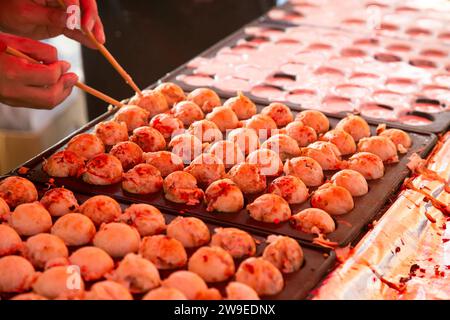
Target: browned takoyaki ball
224, 196
117, 239
64, 164
242, 106
29, 297
206, 168
342, 140
224, 118
108, 290
165, 294
165, 252
142, 179
246, 139
290, 188
62, 282
43, 248
191, 232
307, 169
381, 146
74, 229
205, 131
186, 146
248, 177
400, 138
284, 253
17, 190
189, 283
149, 139
304, 135
128, 153
60, 201
104, 169
325, 153
269, 208
239, 291
188, 112
263, 125
368, 164
10, 240
314, 119
213, 264
356, 126
181, 187
268, 161
111, 132
236, 242
210, 294
101, 209
167, 124
229, 152
16, 274
205, 98
151, 100
133, 116
4, 210
94, 263
29, 219
333, 199
314, 221
166, 162
171, 92
86, 145
280, 113
145, 218
351, 180
282, 144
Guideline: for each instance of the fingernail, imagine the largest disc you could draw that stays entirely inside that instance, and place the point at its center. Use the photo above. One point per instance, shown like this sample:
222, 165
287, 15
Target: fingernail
102, 37
65, 66
71, 80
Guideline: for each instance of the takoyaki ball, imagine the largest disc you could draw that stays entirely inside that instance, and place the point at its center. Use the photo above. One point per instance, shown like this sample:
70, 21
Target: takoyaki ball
103, 170
400, 138
4, 210
356, 126
368, 164
101, 209
181, 187
86, 145
280, 113
117, 239
342, 140
108, 290
137, 274
206, 131
188, 283
306, 169
62, 282
210, 294
242, 106
313, 221
206, 168
111, 132
260, 275
246, 139
29, 219
269, 208
145, 218
44, 247
224, 118
165, 252
333, 199
236, 242
224, 196
284, 253
314, 119
381, 146
188, 112
166, 162
263, 125
165, 294
128, 153
325, 153
186, 146
64, 164
228, 152
282, 144
149, 139
74, 229
304, 135
133, 116
191, 232
268, 161
10, 241
290, 188
17, 190
142, 179
16, 274
172, 92
213, 264
167, 124
248, 177
205, 98
60, 201
351, 180
29, 297
151, 100
240, 291
94, 263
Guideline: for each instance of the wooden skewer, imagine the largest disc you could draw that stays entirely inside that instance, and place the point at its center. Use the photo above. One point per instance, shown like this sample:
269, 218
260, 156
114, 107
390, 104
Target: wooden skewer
80, 85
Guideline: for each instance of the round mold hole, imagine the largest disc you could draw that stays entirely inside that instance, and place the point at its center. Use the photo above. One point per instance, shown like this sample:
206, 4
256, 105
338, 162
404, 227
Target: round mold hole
257, 40
365, 79
369, 42
418, 32
416, 118
336, 104
294, 69
353, 52
399, 47
328, 71
376, 4
351, 91
406, 9
269, 92
442, 79
423, 63
288, 41
386, 97
377, 111
435, 53
387, 57
435, 91
308, 58
388, 26
444, 36
427, 106
243, 48
319, 46
401, 85
196, 80
250, 72
231, 84
280, 80
354, 21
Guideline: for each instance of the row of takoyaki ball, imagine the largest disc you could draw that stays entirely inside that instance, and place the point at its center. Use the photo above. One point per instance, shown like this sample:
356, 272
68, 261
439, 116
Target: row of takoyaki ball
98, 233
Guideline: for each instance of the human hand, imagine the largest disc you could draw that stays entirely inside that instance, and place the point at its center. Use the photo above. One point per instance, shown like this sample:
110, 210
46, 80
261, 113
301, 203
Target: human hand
26, 84
42, 19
